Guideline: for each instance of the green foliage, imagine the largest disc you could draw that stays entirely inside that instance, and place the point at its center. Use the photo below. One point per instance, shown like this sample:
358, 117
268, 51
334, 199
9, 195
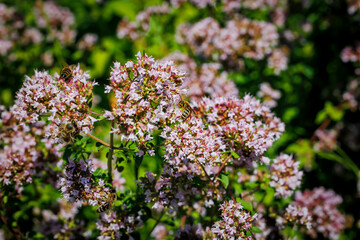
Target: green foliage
225, 180
330, 111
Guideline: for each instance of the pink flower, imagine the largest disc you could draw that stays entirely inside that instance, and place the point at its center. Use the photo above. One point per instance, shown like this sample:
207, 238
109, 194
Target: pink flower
285, 175
317, 210
207, 81
278, 60
268, 95
241, 37
78, 185
146, 95
190, 143
234, 223
66, 101
174, 190
135, 30
247, 127
327, 140
24, 152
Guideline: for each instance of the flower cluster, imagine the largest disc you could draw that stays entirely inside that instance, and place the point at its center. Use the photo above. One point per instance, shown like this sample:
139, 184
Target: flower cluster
78, 184
267, 232
7, 17
240, 37
350, 54
116, 226
327, 140
60, 20
173, 190
48, 22
298, 214
137, 29
248, 128
159, 232
88, 41
190, 147
60, 221
353, 6
269, 95
22, 151
279, 16
43, 94
14, 30
317, 209
235, 222
352, 94
200, 36
234, 5
145, 95
193, 232
278, 60
285, 175
208, 81
197, 3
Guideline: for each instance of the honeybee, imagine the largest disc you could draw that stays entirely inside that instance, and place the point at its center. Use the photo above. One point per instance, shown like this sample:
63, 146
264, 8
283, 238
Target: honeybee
67, 72
187, 109
109, 202
69, 131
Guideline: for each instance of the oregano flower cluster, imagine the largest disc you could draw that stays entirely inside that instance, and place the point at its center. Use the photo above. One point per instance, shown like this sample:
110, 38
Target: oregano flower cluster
211, 155
46, 95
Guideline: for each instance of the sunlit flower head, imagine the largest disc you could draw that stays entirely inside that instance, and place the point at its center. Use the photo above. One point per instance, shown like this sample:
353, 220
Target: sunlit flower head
146, 92
317, 209
285, 175
247, 127
234, 223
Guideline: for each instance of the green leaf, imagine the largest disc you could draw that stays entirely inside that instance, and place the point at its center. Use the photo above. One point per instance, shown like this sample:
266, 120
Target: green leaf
256, 229
234, 154
320, 116
290, 114
225, 180
39, 235
251, 185
81, 141
67, 153
247, 205
330, 111
99, 172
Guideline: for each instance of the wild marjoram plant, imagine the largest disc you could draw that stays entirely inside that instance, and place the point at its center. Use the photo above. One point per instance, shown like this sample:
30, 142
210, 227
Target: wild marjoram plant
213, 180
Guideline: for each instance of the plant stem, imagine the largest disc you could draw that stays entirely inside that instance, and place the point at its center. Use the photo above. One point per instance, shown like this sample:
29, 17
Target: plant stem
110, 154
106, 144
348, 162
222, 166
252, 234
15, 232
98, 140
